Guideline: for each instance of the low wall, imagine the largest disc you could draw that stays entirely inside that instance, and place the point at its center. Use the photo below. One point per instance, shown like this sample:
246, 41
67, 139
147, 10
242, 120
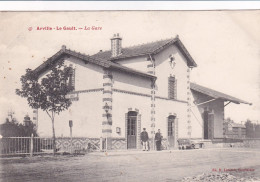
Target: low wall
79, 143
82, 143
118, 144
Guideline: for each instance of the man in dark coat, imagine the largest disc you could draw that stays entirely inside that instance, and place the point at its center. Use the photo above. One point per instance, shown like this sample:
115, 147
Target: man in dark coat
158, 140
144, 139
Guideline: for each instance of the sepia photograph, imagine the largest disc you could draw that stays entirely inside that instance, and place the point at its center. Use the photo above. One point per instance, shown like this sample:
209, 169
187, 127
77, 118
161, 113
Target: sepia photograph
130, 96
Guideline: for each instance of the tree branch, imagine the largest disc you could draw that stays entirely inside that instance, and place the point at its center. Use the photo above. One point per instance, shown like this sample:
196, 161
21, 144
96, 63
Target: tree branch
48, 114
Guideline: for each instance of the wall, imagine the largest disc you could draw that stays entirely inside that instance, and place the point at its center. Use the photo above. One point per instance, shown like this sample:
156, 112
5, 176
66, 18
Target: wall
196, 117
86, 114
165, 108
137, 63
121, 103
84, 74
163, 71
131, 82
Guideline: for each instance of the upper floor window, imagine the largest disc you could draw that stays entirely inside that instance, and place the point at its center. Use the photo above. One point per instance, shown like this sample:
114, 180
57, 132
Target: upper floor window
172, 86
71, 79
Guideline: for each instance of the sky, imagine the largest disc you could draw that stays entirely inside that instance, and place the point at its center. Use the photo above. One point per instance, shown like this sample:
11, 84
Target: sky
224, 44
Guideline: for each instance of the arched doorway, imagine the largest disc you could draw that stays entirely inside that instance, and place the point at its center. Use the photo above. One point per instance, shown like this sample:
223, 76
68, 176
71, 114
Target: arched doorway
171, 130
131, 129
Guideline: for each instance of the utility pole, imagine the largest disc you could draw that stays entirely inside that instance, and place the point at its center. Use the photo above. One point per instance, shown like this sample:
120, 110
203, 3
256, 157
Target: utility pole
70, 125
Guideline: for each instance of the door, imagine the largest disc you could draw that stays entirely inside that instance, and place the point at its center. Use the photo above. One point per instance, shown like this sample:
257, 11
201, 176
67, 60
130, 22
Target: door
171, 131
208, 125
131, 130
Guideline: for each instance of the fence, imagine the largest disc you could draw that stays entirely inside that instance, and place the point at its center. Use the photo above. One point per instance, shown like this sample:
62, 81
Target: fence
37, 145
25, 145
78, 144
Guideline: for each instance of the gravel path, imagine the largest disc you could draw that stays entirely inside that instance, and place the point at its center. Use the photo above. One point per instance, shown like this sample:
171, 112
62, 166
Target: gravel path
220, 177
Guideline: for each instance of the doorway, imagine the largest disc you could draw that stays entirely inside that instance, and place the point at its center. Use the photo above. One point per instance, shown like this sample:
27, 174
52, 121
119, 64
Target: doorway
131, 129
208, 125
171, 131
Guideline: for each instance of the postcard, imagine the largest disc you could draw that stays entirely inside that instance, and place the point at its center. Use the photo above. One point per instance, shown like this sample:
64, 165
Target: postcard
130, 95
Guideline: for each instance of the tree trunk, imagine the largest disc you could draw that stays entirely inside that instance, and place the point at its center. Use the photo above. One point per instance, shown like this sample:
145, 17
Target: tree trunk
53, 136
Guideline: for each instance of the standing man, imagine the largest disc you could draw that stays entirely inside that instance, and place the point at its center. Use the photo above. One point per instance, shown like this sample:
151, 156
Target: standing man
158, 140
144, 139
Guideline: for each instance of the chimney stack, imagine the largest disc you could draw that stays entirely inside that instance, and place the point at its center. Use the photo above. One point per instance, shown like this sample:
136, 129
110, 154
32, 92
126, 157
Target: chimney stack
116, 45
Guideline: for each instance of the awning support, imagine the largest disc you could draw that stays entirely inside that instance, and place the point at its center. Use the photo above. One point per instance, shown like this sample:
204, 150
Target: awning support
227, 103
205, 102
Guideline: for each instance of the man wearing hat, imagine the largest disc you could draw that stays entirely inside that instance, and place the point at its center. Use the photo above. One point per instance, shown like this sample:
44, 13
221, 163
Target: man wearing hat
144, 139
158, 140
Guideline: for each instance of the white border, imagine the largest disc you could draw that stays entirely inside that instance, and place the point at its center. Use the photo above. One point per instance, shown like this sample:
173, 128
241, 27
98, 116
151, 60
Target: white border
126, 5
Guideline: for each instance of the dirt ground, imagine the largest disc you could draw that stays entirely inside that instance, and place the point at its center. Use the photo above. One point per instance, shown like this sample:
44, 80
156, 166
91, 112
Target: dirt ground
132, 166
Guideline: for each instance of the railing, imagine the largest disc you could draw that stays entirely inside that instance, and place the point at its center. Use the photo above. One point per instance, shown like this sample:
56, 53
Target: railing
25, 145
15, 145
38, 145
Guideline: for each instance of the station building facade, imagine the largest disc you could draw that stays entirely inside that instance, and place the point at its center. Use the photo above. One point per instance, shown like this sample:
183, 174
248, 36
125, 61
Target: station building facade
120, 91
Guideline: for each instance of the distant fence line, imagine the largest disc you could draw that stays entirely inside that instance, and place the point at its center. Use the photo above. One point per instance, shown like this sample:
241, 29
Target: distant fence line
40, 145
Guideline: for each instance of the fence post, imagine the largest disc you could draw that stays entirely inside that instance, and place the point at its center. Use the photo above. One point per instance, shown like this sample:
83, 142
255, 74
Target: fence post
62, 145
101, 144
106, 144
31, 147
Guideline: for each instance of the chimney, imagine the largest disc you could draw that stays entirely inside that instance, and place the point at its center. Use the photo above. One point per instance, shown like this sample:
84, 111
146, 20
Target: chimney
116, 45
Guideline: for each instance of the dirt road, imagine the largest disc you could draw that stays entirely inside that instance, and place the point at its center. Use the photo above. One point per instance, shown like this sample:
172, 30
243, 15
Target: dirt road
131, 166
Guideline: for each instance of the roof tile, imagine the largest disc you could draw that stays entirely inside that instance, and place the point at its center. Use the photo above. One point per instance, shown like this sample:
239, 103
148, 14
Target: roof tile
134, 50
107, 64
145, 49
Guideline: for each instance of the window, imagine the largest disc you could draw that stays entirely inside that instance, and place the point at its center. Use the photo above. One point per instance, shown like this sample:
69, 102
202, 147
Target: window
172, 94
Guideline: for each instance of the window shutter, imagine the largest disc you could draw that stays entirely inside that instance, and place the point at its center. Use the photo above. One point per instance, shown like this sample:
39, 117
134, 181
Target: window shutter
175, 89
71, 81
172, 93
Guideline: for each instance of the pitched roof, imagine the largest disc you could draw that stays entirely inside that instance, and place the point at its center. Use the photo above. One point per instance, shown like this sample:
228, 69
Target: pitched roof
215, 94
146, 49
86, 58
